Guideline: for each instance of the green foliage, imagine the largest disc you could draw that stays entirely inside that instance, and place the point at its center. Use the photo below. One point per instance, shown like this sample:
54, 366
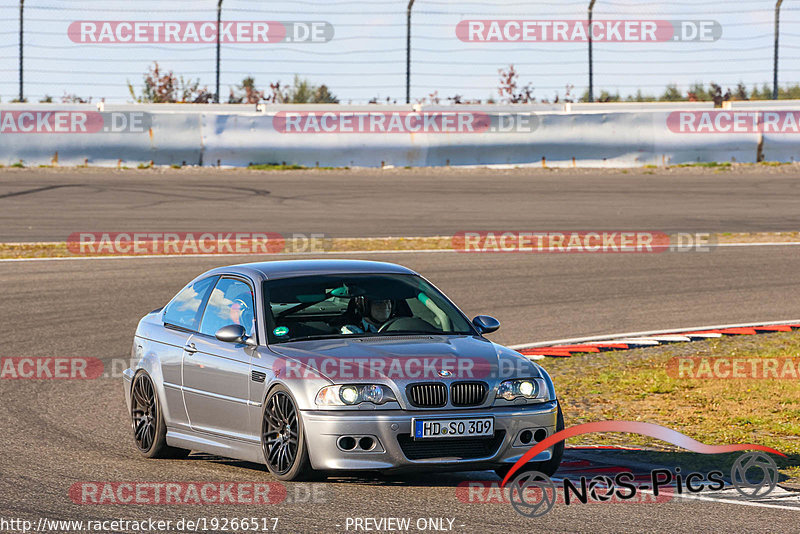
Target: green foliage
300, 92
698, 92
303, 92
166, 87
671, 94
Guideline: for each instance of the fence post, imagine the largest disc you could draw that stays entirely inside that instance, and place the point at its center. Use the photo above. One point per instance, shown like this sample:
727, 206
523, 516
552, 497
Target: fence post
21, 14
591, 68
408, 51
219, 20
775, 63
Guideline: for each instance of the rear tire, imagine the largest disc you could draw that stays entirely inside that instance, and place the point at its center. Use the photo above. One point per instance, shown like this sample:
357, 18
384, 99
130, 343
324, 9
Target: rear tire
147, 420
548, 467
283, 440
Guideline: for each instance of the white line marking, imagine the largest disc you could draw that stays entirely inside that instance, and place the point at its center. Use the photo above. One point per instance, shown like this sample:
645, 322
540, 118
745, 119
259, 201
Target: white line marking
779, 244
775, 244
729, 501
696, 497
271, 256
709, 335
610, 337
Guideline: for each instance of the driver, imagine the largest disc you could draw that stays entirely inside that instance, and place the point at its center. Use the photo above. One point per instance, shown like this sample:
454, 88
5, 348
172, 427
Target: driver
374, 314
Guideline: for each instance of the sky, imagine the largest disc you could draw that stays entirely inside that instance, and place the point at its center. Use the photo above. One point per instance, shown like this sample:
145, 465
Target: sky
365, 58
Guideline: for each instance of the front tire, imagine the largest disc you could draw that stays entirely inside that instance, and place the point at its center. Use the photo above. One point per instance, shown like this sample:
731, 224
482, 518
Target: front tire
147, 420
548, 467
283, 438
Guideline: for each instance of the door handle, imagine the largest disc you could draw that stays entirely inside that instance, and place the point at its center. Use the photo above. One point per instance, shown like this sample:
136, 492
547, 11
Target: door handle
190, 348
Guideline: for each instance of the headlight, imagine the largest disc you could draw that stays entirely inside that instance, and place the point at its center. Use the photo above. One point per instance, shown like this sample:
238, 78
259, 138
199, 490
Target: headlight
349, 394
511, 389
352, 394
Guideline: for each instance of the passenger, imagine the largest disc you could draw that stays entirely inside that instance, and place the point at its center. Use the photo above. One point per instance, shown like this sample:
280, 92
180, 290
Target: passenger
242, 314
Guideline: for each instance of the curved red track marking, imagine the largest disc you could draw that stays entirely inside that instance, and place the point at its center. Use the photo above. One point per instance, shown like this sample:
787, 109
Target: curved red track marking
633, 427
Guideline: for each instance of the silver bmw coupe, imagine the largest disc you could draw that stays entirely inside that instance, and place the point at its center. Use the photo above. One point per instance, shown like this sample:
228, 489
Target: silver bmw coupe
333, 365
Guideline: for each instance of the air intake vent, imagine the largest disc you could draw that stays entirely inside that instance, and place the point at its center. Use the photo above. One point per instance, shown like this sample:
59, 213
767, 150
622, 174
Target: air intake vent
430, 395
468, 393
258, 376
457, 448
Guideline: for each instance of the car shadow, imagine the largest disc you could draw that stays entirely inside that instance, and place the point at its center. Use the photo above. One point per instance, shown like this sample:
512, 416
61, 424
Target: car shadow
581, 460
578, 462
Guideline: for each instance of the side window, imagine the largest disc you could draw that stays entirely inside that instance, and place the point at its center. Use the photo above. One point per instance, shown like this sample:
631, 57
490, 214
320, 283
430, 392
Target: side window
185, 308
231, 302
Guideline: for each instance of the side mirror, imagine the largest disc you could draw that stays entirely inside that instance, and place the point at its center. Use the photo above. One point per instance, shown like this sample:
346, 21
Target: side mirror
486, 324
233, 333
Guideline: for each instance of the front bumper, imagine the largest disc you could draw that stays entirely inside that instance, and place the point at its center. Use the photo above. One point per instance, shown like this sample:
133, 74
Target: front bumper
324, 428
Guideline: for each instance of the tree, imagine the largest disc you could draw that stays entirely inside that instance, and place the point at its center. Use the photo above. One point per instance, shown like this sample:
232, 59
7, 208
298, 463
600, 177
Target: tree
671, 94
765, 93
741, 92
72, 99
161, 88
717, 96
605, 96
510, 91
246, 93
300, 92
303, 92
323, 96
641, 97
432, 98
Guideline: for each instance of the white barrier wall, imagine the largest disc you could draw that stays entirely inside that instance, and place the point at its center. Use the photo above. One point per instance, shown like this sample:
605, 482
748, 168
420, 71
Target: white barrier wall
619, 135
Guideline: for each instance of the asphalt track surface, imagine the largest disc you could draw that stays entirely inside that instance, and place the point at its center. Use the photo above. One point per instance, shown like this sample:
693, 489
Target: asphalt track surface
50, 204
56, 433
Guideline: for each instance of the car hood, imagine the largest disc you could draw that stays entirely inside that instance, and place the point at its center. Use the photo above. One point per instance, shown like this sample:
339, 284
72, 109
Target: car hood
401, 360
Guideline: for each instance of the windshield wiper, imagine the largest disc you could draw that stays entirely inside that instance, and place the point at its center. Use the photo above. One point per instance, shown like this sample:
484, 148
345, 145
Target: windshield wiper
410, 332
324, 336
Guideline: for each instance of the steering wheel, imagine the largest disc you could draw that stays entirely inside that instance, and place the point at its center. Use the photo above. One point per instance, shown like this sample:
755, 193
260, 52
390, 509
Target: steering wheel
385, 326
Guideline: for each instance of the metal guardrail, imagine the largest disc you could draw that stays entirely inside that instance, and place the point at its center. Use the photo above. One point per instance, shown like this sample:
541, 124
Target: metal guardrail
599, 135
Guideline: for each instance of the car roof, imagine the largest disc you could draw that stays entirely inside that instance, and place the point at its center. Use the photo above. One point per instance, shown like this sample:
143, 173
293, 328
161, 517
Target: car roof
288, 268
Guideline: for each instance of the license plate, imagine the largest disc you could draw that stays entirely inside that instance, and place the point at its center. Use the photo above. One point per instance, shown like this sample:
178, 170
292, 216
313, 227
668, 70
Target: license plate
453, 428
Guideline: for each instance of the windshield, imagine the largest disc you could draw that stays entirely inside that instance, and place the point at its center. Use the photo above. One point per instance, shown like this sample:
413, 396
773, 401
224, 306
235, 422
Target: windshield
358, 305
